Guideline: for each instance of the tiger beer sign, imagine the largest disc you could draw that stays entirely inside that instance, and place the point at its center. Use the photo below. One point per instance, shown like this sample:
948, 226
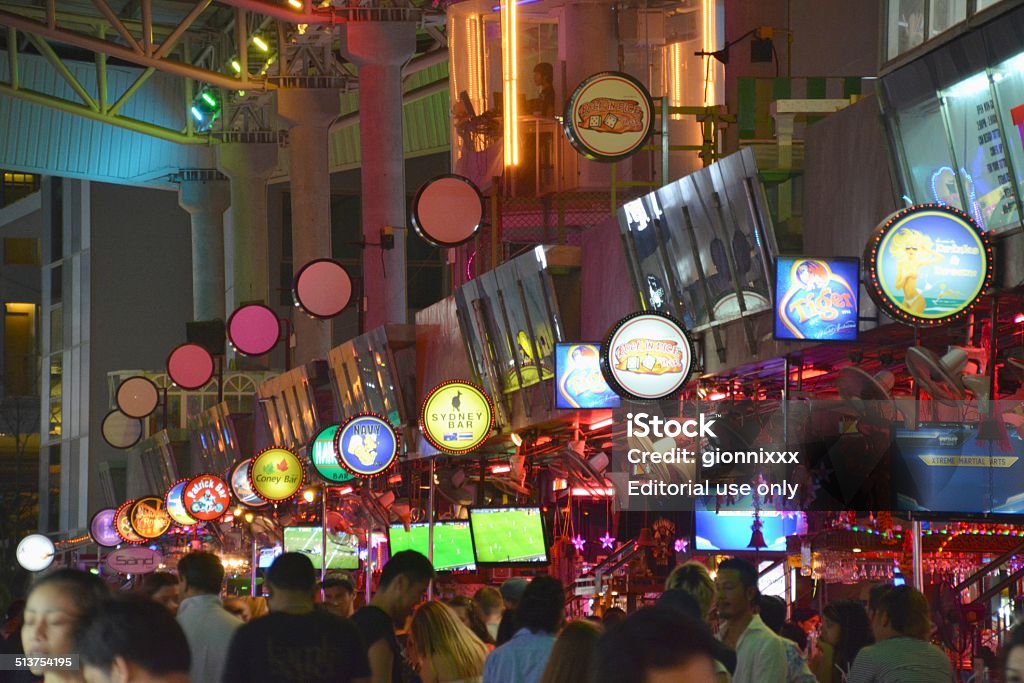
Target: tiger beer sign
609, 117
647, 356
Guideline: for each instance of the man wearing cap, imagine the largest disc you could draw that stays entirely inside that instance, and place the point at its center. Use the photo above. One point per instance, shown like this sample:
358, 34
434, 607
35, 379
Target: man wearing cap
511, 592
339, 594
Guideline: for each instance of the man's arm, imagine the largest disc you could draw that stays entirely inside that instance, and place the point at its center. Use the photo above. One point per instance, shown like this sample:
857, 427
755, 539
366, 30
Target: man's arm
382, 659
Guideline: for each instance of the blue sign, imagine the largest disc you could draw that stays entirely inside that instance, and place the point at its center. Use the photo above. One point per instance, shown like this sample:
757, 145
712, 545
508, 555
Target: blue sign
816, 299
367, 445
580, 383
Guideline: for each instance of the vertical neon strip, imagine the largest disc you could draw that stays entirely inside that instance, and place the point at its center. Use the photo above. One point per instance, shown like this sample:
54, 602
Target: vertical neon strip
509, 50
710, 66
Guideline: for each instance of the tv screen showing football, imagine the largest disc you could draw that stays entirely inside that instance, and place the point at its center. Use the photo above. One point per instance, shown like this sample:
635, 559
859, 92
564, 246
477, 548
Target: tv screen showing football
508, 536
342, 548
453, 543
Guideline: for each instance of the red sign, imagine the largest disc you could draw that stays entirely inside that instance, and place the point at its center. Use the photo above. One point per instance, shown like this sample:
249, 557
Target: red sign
206, 497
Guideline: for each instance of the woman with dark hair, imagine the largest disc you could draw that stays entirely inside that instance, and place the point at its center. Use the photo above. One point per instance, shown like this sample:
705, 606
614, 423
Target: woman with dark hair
161, 588
55, 614
845, 630
570, 660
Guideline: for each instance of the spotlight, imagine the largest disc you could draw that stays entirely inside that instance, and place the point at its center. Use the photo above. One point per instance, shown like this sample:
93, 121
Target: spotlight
516, 439
249, 517
260, 43
309, 495
297, 4
236, 66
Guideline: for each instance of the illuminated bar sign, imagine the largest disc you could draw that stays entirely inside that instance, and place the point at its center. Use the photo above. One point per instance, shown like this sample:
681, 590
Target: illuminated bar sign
580, 383
324, 456
366, 445
608, 118
149, 517
816, 299
647, 357
456, 417
206, 497
928, 264
276, 475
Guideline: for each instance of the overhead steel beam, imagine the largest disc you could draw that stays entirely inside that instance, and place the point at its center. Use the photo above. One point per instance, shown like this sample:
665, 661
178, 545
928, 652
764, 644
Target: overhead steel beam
127, 54
47, 52
122, 30
306, 16
119, 121
190, 18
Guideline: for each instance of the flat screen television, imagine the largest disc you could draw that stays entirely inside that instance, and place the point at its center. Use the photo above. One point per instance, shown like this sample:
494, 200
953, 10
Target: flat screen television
453, 543
508, 536
731, 530
342, 549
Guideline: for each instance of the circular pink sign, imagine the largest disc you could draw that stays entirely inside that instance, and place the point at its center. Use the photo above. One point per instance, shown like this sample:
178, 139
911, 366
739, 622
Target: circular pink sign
137, 396
322, 288
254, 329
190, 366
448, 210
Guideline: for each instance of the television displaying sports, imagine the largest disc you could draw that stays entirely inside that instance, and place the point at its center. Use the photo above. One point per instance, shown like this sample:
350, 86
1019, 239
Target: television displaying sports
578, 379
731, 530
816, 299
453, 543
342, 548
508, 536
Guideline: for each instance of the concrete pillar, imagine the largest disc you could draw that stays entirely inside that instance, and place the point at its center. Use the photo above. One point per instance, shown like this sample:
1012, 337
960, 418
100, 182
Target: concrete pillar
590, 48
380, 49
248, 166
205, 196
310, 112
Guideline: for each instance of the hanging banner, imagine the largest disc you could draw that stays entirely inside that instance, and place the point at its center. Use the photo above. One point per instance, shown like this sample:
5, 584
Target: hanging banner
928, 264
647, 357
609, 117
206, 497
276, 475
149, 517
456, 417
367, 445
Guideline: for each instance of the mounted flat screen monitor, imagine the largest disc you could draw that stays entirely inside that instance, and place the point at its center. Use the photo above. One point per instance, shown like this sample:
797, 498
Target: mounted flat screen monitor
943, 469
453, 543
508, 536
731, 530
342, 549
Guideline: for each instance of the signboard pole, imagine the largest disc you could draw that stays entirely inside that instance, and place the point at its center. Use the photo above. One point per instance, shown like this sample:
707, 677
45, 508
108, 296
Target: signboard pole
369, 565
254, 566
430, 525
916, 555
323, 538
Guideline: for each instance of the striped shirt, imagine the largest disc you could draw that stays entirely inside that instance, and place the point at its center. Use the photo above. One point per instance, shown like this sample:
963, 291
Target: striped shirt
901, 660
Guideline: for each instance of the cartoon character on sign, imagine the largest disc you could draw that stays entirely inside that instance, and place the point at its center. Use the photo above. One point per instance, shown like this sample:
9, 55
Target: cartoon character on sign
913, 251
206, 504
364, 448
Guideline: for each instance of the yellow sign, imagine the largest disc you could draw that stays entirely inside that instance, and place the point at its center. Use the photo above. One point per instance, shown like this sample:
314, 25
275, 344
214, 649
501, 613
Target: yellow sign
149, 518
968, 461
276, 475
456, 417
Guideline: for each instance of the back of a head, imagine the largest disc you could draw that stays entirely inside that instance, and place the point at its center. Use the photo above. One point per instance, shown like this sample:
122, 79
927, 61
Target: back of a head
572, 654
854, 628
546, 71
693, 577
489, 600
202, 571
438, 634
876, 593
542, 606
773, 611
612, 616
138, 630
292, 572
154, 581
907, 610
681, 600
408, 563
650, 639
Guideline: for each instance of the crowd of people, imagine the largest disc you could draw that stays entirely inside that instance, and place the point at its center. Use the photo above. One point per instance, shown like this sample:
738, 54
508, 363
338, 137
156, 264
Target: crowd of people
176, 628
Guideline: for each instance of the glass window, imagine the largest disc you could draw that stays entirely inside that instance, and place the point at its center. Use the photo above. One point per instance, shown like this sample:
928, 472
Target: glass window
944, 14
980, 152
906, 26
926, 155
983, 4
1008, 78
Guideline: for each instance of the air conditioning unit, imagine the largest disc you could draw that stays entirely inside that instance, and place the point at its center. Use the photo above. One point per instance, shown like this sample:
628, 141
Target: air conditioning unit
642, 27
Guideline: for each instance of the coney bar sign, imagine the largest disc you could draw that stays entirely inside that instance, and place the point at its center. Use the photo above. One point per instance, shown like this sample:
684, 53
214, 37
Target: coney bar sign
609, 117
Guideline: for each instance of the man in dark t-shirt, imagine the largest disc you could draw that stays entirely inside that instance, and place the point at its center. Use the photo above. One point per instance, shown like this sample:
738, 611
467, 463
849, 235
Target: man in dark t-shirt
295, 642
403, 583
